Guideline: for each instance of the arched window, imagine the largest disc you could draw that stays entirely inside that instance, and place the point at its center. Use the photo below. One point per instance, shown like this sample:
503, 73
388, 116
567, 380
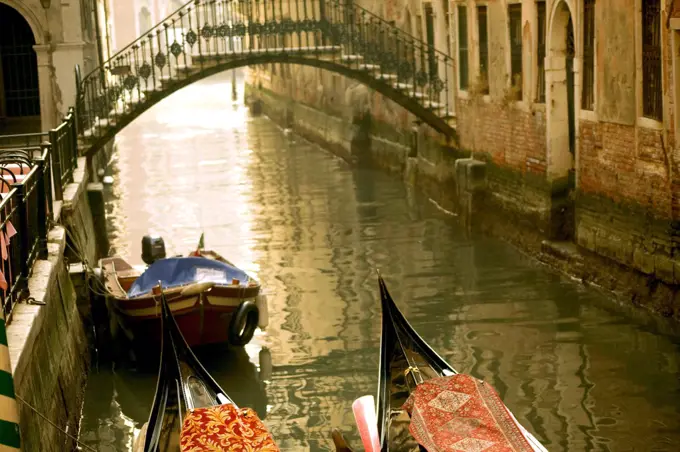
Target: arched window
19, 93
144, 20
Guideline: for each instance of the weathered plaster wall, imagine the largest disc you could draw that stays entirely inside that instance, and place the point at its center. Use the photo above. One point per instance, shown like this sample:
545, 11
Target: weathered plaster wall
617, 98
499, 75
48, 344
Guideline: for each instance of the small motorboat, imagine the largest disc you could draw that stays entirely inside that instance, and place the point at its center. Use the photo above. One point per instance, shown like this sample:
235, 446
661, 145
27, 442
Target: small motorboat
412, 375
190, 411
231, 312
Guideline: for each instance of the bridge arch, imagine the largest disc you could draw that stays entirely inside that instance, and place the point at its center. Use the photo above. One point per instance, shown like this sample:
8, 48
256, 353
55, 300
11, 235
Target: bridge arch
398, 96
202, 39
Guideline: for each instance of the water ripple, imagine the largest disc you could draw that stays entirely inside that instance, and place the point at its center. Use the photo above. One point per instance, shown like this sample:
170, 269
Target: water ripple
578, 371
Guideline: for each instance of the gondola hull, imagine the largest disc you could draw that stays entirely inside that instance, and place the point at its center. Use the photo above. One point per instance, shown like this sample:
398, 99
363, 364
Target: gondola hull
203, 319
190, 410
200, 325
406, 362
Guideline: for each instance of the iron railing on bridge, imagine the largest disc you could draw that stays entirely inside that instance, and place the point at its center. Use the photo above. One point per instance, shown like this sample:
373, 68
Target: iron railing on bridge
34, 169
203, 33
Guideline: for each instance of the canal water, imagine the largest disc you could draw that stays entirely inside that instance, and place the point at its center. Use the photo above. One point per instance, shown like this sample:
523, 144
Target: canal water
579, 371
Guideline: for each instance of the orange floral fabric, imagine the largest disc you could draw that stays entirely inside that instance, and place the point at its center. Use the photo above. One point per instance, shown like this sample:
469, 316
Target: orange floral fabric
224, 428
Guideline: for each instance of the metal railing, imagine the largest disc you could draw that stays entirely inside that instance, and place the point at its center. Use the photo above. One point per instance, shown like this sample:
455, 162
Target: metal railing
33, 174
25, 212
205, 33
64, 141
22, 140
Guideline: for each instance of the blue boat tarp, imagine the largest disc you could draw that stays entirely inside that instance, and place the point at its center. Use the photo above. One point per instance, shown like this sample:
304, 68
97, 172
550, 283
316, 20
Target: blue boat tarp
179, 271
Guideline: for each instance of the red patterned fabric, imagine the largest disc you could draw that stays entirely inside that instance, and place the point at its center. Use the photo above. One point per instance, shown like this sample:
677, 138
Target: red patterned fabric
461, 413
224, 428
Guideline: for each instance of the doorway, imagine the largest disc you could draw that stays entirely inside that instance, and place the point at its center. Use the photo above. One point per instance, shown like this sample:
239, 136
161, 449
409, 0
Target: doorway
561, 122
19, 92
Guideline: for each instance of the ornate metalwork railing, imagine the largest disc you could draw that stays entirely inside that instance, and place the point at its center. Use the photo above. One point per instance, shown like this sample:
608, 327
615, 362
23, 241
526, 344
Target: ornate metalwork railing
205, 35
33, 174
25, 214
64, 143
22, 140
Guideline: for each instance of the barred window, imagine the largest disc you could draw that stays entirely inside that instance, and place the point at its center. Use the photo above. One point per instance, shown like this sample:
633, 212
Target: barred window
86, 16
429, 24
483, 46
445, 8
515, 20
540, 87
588, 92
462, 47
652, 100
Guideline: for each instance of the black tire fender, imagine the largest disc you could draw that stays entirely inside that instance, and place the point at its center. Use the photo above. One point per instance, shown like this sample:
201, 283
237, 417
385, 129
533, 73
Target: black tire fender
243, 323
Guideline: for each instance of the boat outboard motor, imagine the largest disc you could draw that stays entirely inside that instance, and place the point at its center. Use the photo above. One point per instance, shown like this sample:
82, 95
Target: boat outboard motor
153, 249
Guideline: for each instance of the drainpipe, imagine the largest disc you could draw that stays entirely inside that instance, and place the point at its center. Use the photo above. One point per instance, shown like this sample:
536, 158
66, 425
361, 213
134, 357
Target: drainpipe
234, 94
107, 34
100, 52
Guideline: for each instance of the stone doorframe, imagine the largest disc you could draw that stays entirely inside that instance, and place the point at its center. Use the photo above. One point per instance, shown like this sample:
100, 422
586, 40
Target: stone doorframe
560, 160
44, 59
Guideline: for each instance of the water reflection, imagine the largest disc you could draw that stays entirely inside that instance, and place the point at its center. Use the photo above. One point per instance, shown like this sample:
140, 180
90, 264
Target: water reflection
578, 371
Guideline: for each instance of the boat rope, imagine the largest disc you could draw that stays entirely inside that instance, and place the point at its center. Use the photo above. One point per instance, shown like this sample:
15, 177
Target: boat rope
10, 436
56, 426
94, 284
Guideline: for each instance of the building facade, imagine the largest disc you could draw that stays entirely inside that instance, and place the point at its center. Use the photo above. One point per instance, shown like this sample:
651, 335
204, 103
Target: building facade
572, 104
41, 41
130, 19
557, 92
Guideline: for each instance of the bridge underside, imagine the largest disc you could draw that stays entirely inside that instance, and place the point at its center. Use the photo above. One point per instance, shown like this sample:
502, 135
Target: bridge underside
143, 96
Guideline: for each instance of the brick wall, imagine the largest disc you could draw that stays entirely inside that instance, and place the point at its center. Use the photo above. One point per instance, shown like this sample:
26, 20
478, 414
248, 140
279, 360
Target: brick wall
625, 164
672, 145
511, 136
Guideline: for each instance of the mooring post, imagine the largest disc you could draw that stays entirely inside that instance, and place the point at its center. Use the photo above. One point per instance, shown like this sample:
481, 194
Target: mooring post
470, 185
10, 438
234, 93
95, 197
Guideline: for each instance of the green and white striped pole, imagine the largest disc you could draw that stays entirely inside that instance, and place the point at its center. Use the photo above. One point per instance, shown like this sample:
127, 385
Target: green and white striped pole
10, 439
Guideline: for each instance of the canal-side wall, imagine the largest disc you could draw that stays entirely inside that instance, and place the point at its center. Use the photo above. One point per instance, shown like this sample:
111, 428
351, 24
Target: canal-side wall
47, 340
620, 250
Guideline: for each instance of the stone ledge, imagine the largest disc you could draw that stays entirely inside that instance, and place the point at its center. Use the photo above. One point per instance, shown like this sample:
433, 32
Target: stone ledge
628, 235
73, 190
27, 319
56, 209
47, 343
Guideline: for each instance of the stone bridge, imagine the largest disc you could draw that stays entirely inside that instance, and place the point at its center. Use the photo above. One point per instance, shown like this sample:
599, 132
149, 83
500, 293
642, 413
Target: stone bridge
205, 37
